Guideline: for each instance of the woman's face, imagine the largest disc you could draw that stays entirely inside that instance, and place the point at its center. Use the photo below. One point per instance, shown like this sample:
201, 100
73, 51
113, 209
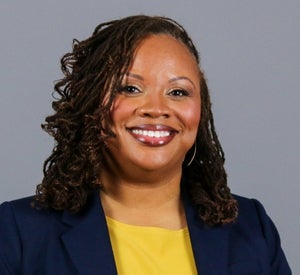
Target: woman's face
157, 111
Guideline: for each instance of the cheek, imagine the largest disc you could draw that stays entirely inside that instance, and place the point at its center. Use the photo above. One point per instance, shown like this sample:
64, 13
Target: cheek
192, 116
120, 112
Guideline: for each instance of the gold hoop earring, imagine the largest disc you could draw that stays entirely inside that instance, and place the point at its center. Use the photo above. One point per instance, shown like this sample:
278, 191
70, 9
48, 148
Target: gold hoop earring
194, 154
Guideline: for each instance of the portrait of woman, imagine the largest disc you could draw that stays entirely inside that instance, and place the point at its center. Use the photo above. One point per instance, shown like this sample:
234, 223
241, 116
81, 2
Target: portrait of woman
136, 182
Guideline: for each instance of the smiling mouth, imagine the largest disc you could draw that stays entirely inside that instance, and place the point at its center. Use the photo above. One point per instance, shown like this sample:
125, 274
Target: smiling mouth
153, 135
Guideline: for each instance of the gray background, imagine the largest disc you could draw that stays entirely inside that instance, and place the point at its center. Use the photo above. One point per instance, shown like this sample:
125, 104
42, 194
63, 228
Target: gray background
250, 54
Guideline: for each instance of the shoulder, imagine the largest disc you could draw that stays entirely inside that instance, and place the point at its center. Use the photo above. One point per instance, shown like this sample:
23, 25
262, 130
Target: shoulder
253, 218
28, 221
15, 224
254, 226
20, 219
250, 210
25, 231
253, 214
22, 212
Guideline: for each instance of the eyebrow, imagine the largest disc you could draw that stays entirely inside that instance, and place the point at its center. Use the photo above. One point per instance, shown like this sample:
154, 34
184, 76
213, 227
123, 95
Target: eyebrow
180, 78
174, 79
137, 76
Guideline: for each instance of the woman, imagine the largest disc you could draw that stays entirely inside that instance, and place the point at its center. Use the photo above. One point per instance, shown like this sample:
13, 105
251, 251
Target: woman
136, 181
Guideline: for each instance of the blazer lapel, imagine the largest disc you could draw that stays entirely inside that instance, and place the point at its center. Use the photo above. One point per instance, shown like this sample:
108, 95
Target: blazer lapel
87, 241
88, 244
210, 244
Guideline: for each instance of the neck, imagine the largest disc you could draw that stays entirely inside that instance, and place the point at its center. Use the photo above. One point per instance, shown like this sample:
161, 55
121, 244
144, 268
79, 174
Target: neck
143, 203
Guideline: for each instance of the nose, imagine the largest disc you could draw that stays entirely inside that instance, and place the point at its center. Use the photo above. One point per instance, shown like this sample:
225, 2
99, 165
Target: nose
154, 106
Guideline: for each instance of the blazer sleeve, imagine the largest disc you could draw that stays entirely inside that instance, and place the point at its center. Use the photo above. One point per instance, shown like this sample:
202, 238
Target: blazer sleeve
10, 244
278, 262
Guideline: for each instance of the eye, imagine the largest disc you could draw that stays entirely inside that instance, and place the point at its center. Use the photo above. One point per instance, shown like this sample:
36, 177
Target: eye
178, 93
127, 89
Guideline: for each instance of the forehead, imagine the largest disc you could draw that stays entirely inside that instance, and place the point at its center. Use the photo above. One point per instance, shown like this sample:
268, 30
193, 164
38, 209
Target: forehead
163, 51
162, 42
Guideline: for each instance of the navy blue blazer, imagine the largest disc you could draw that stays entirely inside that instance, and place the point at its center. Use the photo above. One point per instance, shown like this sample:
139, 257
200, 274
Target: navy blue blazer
58, 243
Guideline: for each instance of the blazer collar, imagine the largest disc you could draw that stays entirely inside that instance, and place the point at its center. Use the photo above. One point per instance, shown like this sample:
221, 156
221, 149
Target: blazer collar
88, 244
210, 244
87, 240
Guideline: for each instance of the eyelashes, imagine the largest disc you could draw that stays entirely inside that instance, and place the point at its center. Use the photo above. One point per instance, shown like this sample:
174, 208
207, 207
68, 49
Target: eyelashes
129, 89
178, 93
132, 90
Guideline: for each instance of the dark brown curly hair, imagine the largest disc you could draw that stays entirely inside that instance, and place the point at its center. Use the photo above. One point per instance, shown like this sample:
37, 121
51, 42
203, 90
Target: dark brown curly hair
81, 122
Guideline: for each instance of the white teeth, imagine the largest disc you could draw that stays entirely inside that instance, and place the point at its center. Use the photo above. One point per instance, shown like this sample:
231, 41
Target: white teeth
156, 134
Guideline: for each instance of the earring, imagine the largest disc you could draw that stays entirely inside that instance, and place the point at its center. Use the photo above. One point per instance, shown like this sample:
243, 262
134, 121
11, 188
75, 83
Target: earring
194, 154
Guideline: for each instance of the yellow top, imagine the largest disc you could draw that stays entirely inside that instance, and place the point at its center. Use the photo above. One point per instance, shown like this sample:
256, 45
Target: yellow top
142, 250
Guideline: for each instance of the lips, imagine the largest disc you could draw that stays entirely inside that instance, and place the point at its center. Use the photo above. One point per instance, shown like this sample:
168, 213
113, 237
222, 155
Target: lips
153, 135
